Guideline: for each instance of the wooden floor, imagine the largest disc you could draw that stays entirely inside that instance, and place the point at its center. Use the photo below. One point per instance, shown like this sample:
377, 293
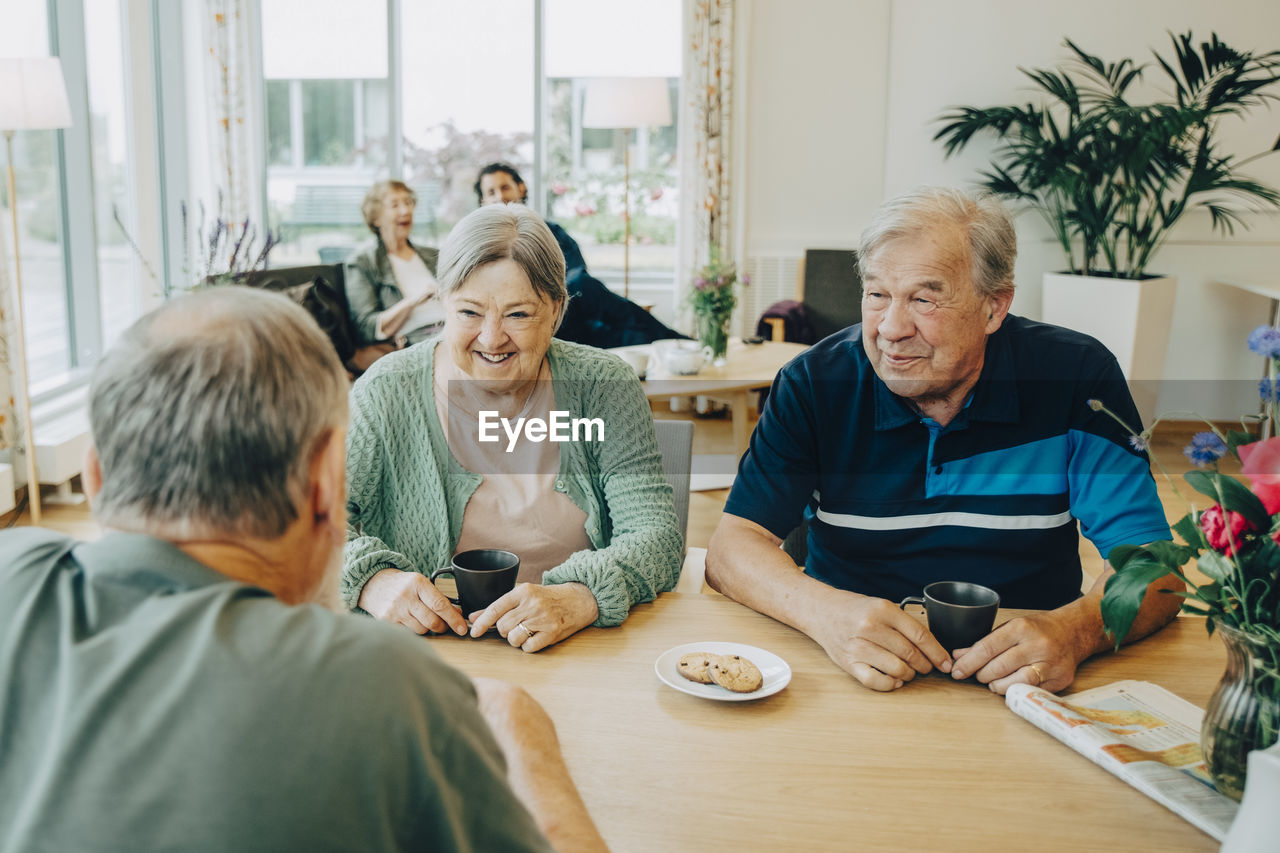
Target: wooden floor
714, 436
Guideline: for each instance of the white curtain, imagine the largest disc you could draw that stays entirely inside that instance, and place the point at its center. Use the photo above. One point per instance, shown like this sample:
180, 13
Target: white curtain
10, 377
229, 83
711, 142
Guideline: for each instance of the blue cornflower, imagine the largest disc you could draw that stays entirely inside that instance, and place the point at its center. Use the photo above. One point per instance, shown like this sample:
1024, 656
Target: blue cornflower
1269, 390
1205, 448
1265, 341
1139, 442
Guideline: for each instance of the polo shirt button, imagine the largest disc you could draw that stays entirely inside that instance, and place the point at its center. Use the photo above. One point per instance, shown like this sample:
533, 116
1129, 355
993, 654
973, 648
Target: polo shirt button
938, 470
559, 485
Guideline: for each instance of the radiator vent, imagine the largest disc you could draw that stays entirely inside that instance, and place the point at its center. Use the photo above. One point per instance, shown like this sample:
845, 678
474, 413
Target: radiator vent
773, 278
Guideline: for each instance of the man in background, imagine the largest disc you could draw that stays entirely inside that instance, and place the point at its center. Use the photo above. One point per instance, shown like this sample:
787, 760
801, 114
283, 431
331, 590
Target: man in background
171, 687
596, 315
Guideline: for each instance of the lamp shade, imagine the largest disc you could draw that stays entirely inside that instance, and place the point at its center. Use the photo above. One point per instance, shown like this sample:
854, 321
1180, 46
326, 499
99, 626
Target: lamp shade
625, 102
33, 95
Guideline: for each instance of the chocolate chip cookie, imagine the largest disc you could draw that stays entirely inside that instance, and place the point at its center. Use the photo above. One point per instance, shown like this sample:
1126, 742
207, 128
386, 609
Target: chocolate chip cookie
736, 673
695, 666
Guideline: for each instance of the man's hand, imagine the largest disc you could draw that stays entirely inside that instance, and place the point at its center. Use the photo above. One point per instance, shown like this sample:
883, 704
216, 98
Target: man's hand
533, 617
870, 638
1042, 649
874, 640
411, 600
535, 767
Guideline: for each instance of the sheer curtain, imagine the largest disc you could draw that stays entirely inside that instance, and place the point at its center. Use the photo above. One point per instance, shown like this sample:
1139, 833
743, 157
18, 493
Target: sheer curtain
711, 145
229, 73
10, 435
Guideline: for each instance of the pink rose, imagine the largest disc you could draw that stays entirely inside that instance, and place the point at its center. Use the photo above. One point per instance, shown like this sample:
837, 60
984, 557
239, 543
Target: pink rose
1215, 529
1261, 464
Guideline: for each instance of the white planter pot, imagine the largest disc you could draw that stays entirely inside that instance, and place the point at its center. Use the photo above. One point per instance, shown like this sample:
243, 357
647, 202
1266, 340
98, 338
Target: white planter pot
1130, 318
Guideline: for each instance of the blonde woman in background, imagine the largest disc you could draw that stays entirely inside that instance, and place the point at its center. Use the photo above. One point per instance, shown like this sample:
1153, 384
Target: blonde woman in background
391, 284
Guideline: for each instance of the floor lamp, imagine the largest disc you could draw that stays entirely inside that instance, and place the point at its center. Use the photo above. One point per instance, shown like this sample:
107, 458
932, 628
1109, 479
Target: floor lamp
33, 96
621, 103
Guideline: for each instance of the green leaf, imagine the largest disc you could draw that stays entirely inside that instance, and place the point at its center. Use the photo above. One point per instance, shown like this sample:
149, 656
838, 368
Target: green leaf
1264, 561
1171, 554
1121, 554
1236, 437
1214, 565
1235, 496
1189, 531
1122, 597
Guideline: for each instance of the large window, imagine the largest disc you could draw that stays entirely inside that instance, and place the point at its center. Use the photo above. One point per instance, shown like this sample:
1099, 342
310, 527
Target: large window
327, 120
76, 197
114, 206
468, 100
460, 85
40, 212
583, 187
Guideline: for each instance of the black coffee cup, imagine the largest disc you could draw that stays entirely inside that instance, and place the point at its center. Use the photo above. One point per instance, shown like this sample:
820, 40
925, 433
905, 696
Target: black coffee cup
483, 576
960, 614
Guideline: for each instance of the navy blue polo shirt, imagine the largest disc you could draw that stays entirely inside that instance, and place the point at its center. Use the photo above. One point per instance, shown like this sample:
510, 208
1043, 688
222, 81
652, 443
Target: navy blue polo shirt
895, 501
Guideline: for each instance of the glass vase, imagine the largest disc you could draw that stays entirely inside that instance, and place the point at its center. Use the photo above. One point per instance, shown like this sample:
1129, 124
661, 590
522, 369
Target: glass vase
713, 334
1244, 711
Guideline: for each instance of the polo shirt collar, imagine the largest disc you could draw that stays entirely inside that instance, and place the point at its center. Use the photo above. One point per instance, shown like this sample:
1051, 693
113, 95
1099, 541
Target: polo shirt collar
994, 397
138, 560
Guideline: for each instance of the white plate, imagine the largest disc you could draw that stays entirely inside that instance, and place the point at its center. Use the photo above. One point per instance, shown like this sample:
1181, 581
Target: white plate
774, 669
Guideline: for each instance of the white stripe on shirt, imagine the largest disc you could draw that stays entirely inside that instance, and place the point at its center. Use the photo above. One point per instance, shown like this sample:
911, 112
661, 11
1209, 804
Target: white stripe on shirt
945, 519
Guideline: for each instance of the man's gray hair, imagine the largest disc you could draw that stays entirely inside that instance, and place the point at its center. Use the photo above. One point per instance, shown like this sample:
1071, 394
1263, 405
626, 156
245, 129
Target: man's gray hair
208, 413
499, 231
993, 244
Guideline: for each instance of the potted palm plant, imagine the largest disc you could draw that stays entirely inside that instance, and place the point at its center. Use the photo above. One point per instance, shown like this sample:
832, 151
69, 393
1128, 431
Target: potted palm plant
1111, 177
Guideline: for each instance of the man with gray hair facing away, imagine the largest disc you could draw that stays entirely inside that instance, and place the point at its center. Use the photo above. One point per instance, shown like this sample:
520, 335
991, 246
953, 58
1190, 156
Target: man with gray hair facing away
941, 439
171, 687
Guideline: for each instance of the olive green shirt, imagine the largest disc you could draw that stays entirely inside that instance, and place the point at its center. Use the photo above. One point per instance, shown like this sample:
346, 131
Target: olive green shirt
154, 704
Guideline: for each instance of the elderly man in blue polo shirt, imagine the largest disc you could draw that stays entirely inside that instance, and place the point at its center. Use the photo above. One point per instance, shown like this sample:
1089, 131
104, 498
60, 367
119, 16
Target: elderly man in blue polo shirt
941, 439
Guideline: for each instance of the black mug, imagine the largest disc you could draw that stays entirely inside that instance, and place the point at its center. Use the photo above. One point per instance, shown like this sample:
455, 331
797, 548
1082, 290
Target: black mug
960, 614
483, 576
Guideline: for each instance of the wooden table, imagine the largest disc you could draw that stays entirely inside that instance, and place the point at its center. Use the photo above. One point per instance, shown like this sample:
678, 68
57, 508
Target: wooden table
749, 367
827, 764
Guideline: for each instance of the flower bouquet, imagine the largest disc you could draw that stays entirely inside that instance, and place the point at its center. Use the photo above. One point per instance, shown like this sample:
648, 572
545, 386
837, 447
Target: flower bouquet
713, 299
1236, 546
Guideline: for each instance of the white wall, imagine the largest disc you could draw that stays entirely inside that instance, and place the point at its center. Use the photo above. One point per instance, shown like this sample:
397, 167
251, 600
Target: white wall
844, 100
815, 117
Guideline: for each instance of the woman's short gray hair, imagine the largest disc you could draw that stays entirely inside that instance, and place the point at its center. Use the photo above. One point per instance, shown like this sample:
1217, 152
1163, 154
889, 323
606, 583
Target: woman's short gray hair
993, 243
208, 412
499, 231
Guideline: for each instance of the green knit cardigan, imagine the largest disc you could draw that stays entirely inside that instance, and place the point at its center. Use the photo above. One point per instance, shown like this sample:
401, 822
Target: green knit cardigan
406, 493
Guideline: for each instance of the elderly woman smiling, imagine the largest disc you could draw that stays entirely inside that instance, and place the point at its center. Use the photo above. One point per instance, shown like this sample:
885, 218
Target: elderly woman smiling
592, 521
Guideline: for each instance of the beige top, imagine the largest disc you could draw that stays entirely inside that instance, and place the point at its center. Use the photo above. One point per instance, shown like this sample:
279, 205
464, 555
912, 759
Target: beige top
516, 506
414, 278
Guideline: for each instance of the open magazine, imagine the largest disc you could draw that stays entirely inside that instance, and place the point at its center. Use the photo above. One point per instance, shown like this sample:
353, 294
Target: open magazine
1142, 733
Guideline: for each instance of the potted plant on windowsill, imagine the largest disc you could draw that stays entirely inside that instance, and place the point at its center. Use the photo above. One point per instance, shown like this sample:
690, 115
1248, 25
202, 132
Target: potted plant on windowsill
1112, 177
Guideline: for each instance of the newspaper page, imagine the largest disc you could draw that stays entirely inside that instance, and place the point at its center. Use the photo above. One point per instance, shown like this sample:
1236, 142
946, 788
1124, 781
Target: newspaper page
1142, 733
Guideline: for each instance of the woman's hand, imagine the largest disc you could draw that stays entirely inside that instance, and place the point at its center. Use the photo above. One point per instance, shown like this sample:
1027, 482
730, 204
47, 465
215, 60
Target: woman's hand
533, 617
411, 600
